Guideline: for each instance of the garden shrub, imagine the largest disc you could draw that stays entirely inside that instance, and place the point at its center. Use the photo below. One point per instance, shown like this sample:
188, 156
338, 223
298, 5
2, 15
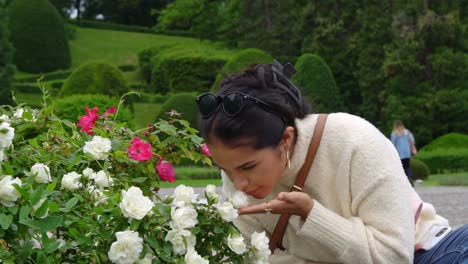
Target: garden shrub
184, 71
144, 60
127, 67
450, 140
110, 26
184, 103
38, 35
95, 78
72, 107
240, 61
197, 173
419, 170
445, 160
318, 86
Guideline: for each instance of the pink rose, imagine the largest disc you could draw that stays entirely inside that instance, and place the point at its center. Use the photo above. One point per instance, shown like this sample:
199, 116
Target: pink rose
139, 150
165, 171
205, 150
109, 111
86, 122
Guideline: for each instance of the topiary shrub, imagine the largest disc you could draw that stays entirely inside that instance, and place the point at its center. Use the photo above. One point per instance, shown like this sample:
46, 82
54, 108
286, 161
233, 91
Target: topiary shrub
95, 78
445, 160
73, 107
184, 103
450, 140
184, 71
145, 62
419, 169
318, 86
38, 35
240, 61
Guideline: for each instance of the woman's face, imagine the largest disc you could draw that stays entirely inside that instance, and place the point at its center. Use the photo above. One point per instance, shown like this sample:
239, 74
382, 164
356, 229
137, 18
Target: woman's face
252, 171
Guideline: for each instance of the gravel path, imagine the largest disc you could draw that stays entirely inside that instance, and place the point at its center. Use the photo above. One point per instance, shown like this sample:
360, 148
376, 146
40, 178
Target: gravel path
449, 202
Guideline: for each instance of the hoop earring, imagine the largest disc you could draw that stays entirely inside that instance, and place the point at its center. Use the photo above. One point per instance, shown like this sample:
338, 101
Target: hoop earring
288, 160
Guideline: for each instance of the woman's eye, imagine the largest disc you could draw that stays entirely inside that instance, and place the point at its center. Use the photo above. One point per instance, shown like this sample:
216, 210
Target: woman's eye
249, 167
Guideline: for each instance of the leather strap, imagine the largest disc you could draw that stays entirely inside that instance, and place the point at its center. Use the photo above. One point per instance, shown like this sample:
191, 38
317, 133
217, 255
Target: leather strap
276, 240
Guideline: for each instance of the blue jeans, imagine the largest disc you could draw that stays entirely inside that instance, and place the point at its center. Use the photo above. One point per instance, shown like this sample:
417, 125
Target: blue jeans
452, 249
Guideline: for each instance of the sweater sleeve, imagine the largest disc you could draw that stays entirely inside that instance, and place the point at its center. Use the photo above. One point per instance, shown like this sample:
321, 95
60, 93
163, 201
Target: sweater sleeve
381, 228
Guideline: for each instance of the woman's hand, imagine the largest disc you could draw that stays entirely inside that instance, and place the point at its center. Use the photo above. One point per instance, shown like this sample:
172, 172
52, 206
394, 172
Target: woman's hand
295, 203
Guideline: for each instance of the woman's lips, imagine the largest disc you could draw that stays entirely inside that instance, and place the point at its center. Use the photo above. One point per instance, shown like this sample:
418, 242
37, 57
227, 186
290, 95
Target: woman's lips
252, 192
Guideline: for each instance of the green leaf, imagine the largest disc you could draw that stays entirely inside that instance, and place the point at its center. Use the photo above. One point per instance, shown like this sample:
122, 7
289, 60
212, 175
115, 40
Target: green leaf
36, 195
24, 212
51, 186
196, 230
139, 179
8, 169
49, 223
13, 210
42, 209
218, 230
5, 221
134, 225
71, 203
74, 161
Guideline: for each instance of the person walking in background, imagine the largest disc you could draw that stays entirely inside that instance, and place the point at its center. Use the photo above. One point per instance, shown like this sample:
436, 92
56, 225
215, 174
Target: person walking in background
404, 142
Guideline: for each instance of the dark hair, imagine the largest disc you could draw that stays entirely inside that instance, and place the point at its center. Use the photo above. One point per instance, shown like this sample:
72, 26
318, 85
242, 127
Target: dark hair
266, 82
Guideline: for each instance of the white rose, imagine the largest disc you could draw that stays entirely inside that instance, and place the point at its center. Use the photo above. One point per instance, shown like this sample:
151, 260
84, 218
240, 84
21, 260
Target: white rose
180, 239
2, 155
184, 194
102, 180
236, 243
184, 217
98, 195
260, 242
4, 119
134, 204
148, 259
210, 192
127, 248
39, 204
19, 113
227, 212
239, 199
71, 181
98, 147
7, 134
192, 257
41, 172
89, 173
8, 193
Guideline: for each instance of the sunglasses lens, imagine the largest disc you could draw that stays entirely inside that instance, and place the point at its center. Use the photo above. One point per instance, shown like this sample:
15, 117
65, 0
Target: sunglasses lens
233, 104
207, 104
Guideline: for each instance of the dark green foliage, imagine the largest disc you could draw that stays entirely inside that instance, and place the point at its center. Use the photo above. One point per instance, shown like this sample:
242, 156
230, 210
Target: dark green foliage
241, 60
95, 78
448, 141
110, 26
183, 103
38, 35
184, 71
144, 60
445, 160
318, 86
127, 67
7, 69
73, 107
419, 170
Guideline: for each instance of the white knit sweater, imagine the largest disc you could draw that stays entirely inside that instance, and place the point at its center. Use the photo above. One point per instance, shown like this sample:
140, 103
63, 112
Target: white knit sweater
362, 199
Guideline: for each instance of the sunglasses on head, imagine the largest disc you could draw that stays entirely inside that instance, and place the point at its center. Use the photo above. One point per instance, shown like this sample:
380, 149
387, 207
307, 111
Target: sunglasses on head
232, 103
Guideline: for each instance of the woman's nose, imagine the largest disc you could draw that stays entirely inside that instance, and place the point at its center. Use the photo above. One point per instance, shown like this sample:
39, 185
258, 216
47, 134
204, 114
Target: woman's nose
240, 182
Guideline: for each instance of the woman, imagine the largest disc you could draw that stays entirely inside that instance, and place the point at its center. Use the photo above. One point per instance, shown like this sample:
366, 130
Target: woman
403, 140
355, 206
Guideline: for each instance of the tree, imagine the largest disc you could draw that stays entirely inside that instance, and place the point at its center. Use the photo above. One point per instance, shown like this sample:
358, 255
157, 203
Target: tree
7, 69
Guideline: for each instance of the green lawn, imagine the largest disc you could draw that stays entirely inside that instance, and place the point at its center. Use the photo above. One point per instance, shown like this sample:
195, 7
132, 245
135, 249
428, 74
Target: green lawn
456, 179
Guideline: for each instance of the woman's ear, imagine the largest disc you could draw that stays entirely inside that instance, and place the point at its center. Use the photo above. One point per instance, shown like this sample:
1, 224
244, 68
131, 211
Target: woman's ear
287, 140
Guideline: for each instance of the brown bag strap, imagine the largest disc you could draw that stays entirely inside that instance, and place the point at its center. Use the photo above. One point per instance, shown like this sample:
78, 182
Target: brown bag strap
276, 240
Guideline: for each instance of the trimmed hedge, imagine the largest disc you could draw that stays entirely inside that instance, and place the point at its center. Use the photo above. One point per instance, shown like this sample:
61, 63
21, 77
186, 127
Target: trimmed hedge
73, 107
95, 78
127, 67
240, 61
144, 60
38, 35
450, 140
445, 160
318, 86
184, 103
57, 75
110, 26
419, 170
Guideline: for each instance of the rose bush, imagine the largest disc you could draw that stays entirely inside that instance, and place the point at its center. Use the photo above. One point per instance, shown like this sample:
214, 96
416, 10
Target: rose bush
86, 191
